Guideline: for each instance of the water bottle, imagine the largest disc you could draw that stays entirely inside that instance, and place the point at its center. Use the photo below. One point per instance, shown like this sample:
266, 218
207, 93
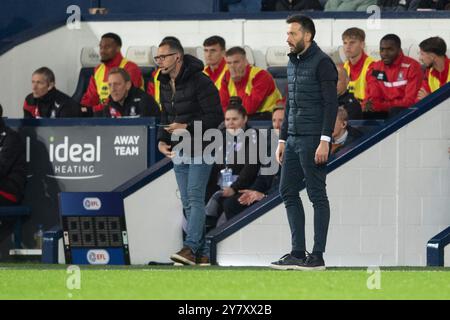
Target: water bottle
227, 177
39, 237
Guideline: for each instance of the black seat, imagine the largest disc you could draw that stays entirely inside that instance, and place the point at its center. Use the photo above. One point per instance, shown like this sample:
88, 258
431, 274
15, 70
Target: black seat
279, 74
83, 83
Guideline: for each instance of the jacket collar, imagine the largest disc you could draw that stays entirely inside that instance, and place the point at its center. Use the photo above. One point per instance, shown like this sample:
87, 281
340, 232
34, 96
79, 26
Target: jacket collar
312, 50
114, 62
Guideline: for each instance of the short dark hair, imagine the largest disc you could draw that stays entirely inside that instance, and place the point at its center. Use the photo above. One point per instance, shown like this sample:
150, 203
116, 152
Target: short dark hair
113, 36
356, 33
305, 22
125, 75
172, 38
236, 105
1, 111
394, 38
434, 45
235, 50
47, 73
211, 41
173, 45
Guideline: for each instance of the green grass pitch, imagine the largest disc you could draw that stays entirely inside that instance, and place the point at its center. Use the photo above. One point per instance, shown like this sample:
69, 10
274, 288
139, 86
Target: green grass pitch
35, 281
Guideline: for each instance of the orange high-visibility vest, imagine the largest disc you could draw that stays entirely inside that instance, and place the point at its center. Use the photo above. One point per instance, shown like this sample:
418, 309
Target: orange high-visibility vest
268, 104
358, 86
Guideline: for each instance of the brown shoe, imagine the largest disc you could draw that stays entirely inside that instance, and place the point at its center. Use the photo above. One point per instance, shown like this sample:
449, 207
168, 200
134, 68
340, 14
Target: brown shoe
184, 256
203, 261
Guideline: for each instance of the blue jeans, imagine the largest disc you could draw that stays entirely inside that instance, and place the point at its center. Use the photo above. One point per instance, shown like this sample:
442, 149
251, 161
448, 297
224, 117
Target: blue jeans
192, 180
298, 164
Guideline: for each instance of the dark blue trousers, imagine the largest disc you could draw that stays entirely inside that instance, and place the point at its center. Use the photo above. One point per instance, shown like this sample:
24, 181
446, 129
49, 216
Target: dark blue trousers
298, 164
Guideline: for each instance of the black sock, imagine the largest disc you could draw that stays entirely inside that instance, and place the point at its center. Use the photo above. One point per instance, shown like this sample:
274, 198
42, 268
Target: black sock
298, 254
318, 254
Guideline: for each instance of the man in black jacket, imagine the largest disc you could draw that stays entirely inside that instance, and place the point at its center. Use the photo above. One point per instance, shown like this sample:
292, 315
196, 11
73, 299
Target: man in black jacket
12, 165
304, 144
188, 99
46, 101
125, 100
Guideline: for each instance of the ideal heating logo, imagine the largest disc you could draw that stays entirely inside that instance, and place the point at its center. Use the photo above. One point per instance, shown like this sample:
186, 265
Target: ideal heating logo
74, 160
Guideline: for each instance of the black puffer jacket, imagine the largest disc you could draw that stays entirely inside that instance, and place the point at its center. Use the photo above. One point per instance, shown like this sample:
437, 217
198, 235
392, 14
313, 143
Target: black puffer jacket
12, 164
195, 99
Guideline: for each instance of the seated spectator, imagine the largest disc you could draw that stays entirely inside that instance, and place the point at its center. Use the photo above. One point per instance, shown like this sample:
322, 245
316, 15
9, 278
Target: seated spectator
345, 98
98, 90
343, 133
349, 5
398, 5
433, 4
298, 5
215, 64
153, 87
253, 85
358, 62
264, 184
393, 82
12, 165
236, 171
433, 55
125, 100
46, 101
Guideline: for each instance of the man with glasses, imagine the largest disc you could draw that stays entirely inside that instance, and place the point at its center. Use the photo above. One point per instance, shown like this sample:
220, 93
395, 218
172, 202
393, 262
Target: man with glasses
153, 85
188, 97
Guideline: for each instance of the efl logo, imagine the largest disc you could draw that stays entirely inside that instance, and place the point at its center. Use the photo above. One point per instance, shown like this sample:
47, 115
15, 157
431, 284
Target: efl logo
92, 203
98, 257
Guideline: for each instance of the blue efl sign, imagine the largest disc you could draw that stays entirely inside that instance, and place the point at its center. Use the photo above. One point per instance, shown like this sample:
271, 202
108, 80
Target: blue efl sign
94, 228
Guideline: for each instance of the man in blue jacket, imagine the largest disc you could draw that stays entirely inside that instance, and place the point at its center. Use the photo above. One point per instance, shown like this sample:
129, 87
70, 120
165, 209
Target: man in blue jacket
304, 144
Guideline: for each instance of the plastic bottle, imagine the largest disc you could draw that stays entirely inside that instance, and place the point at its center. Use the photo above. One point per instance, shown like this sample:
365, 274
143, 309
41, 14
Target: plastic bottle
39, 236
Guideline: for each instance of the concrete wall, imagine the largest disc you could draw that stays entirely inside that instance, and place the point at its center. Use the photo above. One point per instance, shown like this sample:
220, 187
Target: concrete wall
60, 49
385, 204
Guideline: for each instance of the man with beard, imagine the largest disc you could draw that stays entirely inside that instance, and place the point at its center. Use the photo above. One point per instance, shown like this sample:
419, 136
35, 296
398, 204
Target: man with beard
98, 90
433, 55
304, 144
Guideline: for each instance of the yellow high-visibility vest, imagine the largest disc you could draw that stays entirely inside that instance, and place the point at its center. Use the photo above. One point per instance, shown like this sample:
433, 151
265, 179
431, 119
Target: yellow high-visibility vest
102, 86
218, 82
157, 87
269, 103
358, 86
434, 82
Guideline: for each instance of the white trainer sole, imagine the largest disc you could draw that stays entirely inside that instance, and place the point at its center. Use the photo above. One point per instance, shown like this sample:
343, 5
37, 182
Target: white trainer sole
179, 259
278, 267
320, 268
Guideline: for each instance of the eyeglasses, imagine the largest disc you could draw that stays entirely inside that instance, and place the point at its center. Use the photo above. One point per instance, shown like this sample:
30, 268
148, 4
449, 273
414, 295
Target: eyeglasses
163, 57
